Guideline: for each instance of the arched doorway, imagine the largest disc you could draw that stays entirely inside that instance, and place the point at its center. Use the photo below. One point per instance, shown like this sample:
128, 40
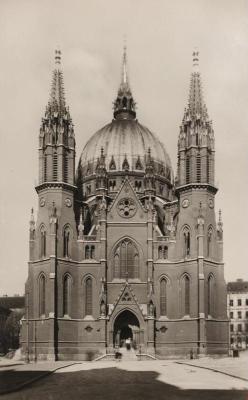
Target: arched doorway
126, 326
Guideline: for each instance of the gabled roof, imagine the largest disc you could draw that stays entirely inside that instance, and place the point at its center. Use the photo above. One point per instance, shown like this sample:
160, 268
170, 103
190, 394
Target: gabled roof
238, 286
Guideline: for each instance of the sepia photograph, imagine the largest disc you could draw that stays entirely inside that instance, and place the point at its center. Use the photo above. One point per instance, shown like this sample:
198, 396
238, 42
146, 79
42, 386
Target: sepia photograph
123, 206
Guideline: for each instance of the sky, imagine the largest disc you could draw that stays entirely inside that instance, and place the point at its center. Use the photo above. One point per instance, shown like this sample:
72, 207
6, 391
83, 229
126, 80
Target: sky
161, 36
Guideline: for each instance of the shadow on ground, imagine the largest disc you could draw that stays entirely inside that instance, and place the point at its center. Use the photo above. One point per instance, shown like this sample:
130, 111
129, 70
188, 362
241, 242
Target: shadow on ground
106, 384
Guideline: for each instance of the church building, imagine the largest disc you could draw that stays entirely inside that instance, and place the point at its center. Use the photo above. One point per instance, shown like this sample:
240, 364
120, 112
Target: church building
121, 250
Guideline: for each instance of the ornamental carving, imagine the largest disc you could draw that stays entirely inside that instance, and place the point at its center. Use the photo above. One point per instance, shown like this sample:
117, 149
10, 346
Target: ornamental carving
126, 208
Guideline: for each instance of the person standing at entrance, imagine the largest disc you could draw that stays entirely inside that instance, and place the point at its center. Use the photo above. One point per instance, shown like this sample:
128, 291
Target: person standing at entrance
128, 343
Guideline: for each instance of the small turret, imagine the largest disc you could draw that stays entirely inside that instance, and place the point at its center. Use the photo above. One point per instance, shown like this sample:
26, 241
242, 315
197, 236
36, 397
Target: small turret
149, 174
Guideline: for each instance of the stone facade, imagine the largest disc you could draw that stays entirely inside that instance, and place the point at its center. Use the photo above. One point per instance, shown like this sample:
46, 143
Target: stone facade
237, 311
120, 249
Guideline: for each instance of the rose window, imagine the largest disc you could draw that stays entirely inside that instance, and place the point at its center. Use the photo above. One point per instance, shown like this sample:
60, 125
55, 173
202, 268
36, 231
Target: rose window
126, 208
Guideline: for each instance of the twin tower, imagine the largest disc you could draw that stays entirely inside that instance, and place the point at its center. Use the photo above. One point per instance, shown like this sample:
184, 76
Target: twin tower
121, 250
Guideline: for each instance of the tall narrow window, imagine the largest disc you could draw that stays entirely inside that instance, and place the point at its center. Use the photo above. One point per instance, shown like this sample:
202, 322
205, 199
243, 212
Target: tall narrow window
116, 266
43, 242
45, 168
87, 252
66, 295
66, 242
186, 238
210, 284
55, 167
165, 252
92, 252
208, 169
187, 169
186, 295
209, 242
65, 168
88, 296
163, 297
42, 295
198, 168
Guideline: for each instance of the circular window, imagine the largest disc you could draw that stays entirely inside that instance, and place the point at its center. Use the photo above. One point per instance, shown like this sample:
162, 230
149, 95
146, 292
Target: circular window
126, 208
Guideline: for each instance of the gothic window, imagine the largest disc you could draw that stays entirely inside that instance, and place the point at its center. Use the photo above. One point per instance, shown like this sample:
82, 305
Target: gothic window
185, 291
187, 169
125, 165
88, 296
165, 252
126, 260
87, 252
45, 168
163, 297
160, 252
198, 168
66, 168
209, 242
92, 252
138, 164
210, 284
208, 169
186, 238
66, 242
42, 295
124, 102
55, 167
66, 294
43, 242
112, 165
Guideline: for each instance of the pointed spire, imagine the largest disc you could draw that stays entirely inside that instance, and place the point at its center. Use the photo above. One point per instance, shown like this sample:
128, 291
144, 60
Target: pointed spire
57, 97
81, 226
124, 105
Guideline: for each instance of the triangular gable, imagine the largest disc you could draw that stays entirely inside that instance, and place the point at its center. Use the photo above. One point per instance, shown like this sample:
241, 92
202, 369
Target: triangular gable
127, 191
126, 298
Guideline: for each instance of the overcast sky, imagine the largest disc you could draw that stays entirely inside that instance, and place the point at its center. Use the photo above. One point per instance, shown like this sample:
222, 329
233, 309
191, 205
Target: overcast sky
161, 36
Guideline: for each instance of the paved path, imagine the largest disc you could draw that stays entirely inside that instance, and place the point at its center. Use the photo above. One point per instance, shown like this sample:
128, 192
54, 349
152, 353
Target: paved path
133, 380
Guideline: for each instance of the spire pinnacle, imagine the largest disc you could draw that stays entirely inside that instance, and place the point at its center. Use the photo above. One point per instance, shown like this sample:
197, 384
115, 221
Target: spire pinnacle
195, 60
57, 97
57, 58
124, 105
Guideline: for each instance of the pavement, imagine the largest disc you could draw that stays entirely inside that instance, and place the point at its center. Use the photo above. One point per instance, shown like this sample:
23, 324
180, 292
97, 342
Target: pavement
205, 378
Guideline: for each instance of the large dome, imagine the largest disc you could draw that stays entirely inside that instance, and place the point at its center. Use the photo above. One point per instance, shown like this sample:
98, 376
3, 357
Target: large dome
125, 140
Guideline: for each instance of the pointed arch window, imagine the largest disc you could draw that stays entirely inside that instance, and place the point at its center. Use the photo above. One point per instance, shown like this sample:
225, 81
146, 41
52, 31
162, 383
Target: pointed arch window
160, 252
186, 244
92, 252
163, 297
112, 165
125, 165
138, 165
88, 296
186, 295
66, 242
67, 294
198, 168
87, 252
210, 289
43, 241
187, 169
126, 260
55, 167
209, 242
165, 252
42, 295
208, 169
66, 168
45, 168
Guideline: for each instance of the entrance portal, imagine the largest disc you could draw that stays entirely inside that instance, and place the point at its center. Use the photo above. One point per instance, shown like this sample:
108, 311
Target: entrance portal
126, 328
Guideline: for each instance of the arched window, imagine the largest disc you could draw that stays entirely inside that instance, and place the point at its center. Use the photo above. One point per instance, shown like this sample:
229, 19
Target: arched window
43, 242
128, 260
45, 168
209, 242
160, 253
66, 168
42, 295
55, 167
198, 168
163, 297
208, 168
186, 238
210, 288
165, 252
66, 242
187, 169
88, 296
87, 252
66, 294
186, 295
92, 252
